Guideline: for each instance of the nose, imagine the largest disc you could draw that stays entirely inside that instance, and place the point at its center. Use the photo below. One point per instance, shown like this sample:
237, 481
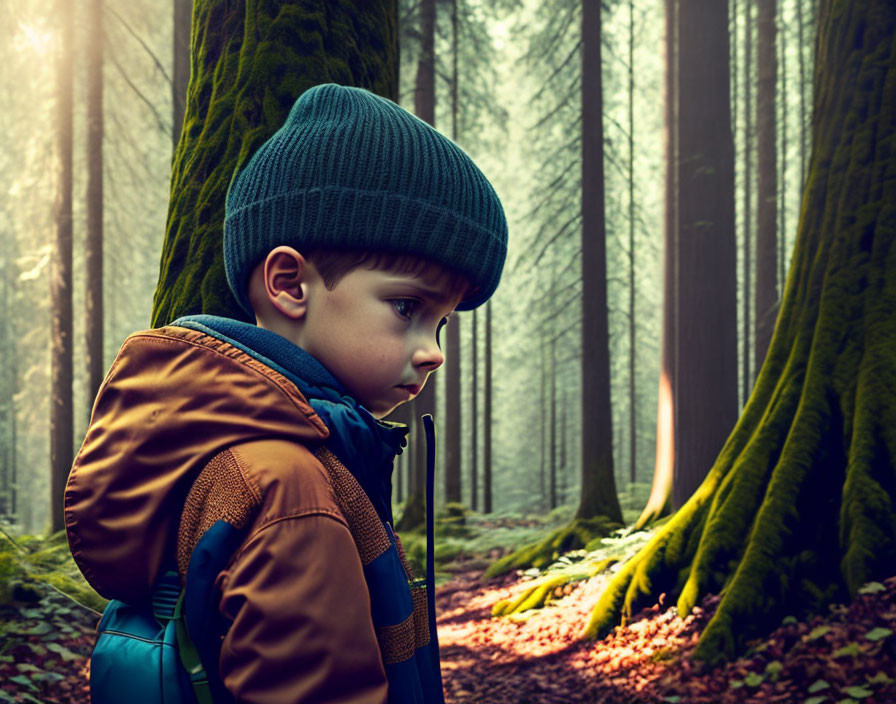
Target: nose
428, 356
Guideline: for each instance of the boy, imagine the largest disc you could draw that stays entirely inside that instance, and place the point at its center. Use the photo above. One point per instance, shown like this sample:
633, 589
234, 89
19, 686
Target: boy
253, 458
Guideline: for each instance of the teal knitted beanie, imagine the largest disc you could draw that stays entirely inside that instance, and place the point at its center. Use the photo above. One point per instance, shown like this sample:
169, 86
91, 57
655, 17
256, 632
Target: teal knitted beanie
350, 169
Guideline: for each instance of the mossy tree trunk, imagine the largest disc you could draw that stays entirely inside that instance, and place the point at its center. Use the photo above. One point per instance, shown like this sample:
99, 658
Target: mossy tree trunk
180, 62
249, 62
799, 508
766, 295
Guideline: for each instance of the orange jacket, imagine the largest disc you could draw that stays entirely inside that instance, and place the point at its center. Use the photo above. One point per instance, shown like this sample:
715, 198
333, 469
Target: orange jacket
188, 430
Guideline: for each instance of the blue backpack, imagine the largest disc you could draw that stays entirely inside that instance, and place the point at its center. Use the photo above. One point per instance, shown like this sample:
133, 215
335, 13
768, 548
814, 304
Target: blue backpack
144, 650
165, 650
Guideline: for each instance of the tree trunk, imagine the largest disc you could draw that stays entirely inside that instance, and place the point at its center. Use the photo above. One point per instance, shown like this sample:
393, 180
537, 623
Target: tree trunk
180, 78
93, 256
801, 25
453, 463
425, 108
402, 414
767, 185
61, 419
798, 509
487, 415
747, 270
231, 112
562, 470
553, 422
9, 373
474, 422
782, 227
598, 480
453, 488
543, 498
658, 502
632, 397
705, 404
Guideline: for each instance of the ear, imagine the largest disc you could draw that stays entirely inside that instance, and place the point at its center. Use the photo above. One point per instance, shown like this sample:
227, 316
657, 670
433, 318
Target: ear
285, 281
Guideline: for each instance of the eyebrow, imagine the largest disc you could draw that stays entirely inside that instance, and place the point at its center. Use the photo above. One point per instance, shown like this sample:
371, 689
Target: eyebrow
435, 294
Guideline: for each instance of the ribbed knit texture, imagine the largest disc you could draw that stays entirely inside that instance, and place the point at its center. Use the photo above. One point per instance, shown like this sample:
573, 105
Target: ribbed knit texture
350, 169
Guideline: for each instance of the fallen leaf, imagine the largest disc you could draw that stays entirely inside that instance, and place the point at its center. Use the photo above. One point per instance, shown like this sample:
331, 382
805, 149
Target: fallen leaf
817, 686
876, 634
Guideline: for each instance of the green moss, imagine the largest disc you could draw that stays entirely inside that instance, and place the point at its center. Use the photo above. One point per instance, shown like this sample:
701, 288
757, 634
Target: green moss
249, 63
800, 507
35, 560
453, 521
536, 595
573, 536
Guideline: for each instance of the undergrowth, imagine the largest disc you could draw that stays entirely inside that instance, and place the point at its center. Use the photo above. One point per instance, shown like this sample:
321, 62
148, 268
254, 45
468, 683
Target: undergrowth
29, 564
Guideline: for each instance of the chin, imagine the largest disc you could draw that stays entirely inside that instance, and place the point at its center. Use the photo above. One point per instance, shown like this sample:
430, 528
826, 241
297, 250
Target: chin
380, 413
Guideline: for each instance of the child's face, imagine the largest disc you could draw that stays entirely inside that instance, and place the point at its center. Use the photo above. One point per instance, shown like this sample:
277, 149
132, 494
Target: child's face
376, 332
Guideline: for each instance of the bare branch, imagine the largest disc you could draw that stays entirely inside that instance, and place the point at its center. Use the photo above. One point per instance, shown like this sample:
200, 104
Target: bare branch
149, 51
162, 127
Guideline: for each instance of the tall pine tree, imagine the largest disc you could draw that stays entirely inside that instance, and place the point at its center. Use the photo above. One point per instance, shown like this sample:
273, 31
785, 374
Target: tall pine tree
798, 508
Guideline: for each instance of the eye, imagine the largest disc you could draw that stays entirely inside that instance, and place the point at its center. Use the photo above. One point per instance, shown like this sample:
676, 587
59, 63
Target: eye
405, 307
442, 323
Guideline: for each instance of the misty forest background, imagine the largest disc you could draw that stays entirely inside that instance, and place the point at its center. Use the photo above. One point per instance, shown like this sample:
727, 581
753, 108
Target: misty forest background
507, 89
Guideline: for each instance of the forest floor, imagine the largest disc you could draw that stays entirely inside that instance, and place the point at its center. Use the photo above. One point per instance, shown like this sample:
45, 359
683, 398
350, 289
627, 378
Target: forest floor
847, 655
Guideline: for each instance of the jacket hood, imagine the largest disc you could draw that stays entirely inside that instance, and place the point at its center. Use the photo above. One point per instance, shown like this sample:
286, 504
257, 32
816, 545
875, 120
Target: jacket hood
173, 399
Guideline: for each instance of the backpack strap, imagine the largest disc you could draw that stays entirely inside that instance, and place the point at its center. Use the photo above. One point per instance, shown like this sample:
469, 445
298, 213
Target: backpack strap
168, 607
189, 656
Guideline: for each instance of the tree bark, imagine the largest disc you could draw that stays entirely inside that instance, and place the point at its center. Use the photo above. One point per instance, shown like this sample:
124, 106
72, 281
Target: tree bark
798, 509
658, 502
598, 481
632, 386
61, 419
93, 256
705, 404
782, 210
453, 456
487, 416
767, 183
402, 473
800, 24
250, 61
747, 248
453, 486
553, 423
10, 383
474, 418
425, 108
561, 489
543, 498
180, 78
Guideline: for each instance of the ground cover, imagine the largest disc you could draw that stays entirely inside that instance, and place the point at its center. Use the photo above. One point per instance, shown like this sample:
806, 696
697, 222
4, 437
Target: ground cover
845, 656
531, 655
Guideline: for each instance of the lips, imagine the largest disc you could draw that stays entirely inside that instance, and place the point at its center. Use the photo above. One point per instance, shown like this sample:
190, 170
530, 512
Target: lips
412, 388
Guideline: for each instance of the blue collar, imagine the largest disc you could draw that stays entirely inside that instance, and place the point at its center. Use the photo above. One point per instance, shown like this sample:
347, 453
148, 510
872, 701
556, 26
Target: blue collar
365, 445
